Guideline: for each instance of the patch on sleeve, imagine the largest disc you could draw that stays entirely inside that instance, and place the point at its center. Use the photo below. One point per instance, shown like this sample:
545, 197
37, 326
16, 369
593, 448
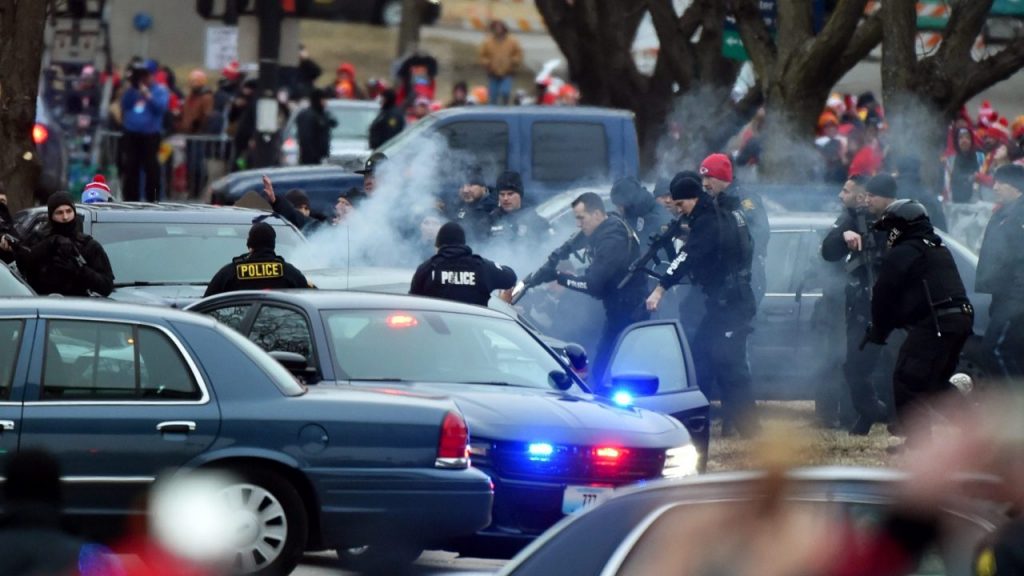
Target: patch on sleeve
748, 204
985, 565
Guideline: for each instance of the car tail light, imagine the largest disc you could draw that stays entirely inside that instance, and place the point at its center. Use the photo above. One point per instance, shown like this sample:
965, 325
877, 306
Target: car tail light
39, 134
400, 320
453, 448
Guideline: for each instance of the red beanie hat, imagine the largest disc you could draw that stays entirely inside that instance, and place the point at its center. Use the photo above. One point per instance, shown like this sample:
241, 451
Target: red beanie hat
717, 166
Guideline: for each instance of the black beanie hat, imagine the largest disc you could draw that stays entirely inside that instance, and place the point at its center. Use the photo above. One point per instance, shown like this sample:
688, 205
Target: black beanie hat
510, 180
450, 234
262, 236
882, 185
686, 186
56, 200
1012, 174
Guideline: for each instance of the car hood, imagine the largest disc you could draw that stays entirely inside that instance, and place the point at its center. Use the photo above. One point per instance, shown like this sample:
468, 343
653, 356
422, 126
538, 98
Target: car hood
523, 414
172, 295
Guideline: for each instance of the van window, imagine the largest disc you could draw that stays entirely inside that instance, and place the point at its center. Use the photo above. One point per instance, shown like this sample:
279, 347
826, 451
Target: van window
481, 143
569, 151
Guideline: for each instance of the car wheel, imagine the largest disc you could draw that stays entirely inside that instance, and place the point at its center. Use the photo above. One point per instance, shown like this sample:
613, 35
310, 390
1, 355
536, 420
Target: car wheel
384, 559
389, 13
270, 524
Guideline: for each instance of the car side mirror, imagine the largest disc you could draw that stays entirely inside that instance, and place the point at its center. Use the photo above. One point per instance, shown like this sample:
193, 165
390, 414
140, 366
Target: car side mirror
296, 364
633, 385
577, 356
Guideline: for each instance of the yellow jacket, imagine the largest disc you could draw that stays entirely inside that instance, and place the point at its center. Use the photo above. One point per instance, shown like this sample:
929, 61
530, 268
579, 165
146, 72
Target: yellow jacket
501, 57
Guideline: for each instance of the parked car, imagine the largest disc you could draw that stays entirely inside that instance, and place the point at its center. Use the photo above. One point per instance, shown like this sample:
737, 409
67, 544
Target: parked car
349, 138
641, 526
323, 184
52, 152
550, 446
790, 322
165, 254
553, 148
12, 284
686, 404
123, 395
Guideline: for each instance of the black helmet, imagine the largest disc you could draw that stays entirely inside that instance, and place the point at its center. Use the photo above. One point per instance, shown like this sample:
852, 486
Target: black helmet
901, 214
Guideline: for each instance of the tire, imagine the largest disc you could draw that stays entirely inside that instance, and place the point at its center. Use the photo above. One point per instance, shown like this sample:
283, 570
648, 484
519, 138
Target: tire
383, 559
271, 541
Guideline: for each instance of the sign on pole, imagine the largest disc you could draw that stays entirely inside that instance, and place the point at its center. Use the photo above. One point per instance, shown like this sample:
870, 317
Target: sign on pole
221, 46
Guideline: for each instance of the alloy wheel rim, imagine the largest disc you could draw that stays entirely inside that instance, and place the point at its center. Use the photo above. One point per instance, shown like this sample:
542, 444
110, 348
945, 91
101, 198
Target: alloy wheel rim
259, 526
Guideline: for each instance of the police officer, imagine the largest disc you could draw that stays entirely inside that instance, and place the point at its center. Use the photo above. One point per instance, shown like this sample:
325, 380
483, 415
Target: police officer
639, 208
9, 236
260, 269
65, 261
716, 171
861, 248
473, 209
456, 273
511, 219
610, 246
919, 290
1001, 274
369, 172
717, 257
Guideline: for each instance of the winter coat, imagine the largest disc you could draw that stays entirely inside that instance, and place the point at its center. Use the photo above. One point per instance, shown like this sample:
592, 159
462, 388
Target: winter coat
501, 57
455, 273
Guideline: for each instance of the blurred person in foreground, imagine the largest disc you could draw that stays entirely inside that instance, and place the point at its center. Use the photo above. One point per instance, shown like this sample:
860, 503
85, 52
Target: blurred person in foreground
64, 260
456, 273
918, 289
717, 257
1001, 274
259, 269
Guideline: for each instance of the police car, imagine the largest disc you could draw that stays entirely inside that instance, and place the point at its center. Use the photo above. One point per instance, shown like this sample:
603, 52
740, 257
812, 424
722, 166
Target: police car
551, 447
165, 254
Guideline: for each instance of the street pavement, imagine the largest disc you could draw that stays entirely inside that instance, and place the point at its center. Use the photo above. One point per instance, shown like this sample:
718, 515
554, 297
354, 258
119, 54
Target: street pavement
432, 563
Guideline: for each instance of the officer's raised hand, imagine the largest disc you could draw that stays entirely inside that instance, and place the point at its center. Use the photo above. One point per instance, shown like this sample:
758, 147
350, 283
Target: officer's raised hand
268, 189
654, 299
853, 240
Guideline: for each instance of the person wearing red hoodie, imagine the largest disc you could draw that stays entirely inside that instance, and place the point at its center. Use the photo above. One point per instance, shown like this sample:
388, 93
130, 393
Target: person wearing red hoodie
346, 87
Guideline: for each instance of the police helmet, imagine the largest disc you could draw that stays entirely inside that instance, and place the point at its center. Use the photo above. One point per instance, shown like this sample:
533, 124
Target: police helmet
901, 214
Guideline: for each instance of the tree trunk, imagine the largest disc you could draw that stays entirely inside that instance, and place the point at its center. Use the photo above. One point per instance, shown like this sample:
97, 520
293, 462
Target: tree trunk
22, 23
409, 30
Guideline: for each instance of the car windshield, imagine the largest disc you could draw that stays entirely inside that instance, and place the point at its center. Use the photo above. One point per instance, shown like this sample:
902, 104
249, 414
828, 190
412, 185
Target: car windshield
353, 123
10, 286
411, 345
178, 253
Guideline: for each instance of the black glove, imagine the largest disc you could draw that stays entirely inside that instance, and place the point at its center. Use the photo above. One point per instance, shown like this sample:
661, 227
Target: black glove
873, 336
544, 274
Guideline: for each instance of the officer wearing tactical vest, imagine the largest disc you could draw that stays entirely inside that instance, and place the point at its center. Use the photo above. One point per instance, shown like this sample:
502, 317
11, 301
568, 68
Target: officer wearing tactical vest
455, 273
260, 269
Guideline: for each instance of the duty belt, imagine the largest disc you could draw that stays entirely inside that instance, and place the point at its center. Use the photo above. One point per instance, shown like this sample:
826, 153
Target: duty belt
961, 309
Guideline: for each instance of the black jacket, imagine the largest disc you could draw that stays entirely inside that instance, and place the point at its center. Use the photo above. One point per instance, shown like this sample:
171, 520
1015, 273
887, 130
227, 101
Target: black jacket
388, 123
752, 207
610, 249
913, 189
261, 270
640, 210
7, 228
717, 256
523, 223
475, 218
899, 300
313, 128
1001, 259
74, 265
307, 224
455, 273
834, 249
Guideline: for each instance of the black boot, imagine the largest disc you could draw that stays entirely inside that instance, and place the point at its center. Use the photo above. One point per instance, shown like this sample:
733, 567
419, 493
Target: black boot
862, 427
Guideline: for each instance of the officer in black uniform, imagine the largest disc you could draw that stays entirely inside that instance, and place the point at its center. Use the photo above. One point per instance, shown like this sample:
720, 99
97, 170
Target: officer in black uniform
639, 208
473, 209
65, 261
260, 269
456, 273
717, 257
919, 290
511, 219
9, 236
716, 171
860, 247
610, 246
1001, 274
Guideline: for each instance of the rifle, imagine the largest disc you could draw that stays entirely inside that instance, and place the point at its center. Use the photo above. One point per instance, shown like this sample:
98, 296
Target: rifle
546, 270
660, 241
868, 249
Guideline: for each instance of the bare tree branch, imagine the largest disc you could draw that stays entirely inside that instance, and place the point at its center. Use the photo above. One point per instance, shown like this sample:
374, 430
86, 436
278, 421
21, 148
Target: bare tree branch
865, 39
965, 23
899, 56
994, 69
794, 26
756, 37
835, 36
673, 39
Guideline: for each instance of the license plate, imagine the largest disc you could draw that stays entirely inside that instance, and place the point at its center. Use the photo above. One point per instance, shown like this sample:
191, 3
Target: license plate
579, 498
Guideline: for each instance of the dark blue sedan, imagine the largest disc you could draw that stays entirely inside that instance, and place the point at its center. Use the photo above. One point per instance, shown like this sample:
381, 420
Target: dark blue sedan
551, 447
124, 394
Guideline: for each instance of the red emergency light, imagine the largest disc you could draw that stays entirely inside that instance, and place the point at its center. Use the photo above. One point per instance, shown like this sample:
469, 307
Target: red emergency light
399, 320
